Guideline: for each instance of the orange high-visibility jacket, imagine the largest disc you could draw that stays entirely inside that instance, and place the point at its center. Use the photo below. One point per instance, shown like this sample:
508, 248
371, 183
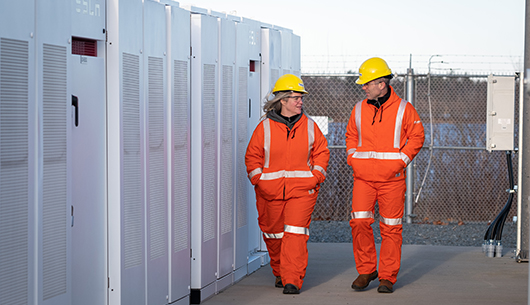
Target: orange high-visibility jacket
381, 142
285, 164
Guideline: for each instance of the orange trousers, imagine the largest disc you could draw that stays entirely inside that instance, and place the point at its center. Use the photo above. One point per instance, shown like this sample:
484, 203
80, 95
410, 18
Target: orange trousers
285, 227
391, 198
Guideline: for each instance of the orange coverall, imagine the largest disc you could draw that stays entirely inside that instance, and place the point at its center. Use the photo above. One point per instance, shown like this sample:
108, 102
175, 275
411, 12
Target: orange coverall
286, 168
380, 143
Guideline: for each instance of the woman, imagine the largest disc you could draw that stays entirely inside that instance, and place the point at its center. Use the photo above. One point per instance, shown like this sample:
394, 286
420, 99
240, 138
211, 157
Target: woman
286, 161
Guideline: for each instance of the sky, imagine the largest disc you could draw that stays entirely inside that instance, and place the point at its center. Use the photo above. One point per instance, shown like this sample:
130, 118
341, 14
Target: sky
340, 34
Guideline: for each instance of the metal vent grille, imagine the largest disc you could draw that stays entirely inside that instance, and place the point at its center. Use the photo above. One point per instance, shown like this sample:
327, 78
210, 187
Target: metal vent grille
132, 166
54, 210
157, 202
14, 73
275, 74
209, 159
85, 47
181, 166
241, 174
227, 176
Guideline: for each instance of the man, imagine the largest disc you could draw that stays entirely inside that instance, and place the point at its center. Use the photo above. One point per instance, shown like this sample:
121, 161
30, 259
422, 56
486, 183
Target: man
384, 134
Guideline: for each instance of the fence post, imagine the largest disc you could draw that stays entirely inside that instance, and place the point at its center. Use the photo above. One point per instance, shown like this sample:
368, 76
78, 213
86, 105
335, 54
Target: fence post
525, 133
410, 168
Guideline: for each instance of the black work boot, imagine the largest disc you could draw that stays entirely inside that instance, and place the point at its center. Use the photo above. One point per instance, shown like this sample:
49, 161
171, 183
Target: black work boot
362, 281
278, 282
290, 289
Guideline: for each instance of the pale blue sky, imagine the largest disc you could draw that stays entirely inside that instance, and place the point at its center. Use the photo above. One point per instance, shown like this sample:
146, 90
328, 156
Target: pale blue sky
344, 32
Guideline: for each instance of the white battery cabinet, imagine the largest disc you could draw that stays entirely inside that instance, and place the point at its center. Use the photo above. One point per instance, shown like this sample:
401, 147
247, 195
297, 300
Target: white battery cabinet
204, 211
178, 68
241, 115
54, 146
149, 152
89, 175
501, 111
295, 64
271, 60
225, 138
252, 40
52, 151
89, 246
156, 151
126, 153
286, 50
290, 50
19, 183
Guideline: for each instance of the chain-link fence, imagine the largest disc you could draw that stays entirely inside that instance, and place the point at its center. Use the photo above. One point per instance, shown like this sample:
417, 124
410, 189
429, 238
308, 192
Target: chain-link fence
463, 182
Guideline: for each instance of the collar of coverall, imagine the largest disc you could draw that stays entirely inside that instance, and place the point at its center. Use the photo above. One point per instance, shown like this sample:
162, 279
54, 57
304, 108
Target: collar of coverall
380, 101
289, 122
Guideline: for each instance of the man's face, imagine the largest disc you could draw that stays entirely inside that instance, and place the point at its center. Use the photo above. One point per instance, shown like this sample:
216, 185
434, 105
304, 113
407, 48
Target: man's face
373, 89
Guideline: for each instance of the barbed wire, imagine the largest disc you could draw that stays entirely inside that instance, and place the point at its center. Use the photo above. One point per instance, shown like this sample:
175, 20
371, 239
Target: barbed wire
421, 64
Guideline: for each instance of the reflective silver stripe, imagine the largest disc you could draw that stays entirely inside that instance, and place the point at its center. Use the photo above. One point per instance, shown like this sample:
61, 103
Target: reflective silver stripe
391, 221
320, 169
296, 230
273, 235
381, 156
358, 123
310, 138
255, 172
377, 155
267, 141
399, 123
405, 158
362, 214
351, 151
286, 174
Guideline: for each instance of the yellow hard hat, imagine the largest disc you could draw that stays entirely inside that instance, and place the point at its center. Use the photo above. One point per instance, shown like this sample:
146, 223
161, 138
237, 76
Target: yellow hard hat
371, 69
289, 82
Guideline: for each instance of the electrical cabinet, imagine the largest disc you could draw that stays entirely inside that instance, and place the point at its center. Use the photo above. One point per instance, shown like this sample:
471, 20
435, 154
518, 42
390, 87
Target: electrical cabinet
250, 35
226, 133
130, 283
500, 113
204, 158
241, 184
271, 61
178, 68
156, 162
89, 126
286, 50
295, 64
18, 153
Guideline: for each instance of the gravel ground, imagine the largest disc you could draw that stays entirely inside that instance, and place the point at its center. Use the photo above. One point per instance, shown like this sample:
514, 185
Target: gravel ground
447, 234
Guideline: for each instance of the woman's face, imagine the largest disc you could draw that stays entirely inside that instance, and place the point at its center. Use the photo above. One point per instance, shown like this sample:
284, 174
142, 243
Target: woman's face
292, 104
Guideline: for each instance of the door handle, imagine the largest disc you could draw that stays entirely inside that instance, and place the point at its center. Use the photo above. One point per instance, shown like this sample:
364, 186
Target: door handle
76, 105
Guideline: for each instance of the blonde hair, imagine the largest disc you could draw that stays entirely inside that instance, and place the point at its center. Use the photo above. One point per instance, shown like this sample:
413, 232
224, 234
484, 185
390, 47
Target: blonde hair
274, 103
